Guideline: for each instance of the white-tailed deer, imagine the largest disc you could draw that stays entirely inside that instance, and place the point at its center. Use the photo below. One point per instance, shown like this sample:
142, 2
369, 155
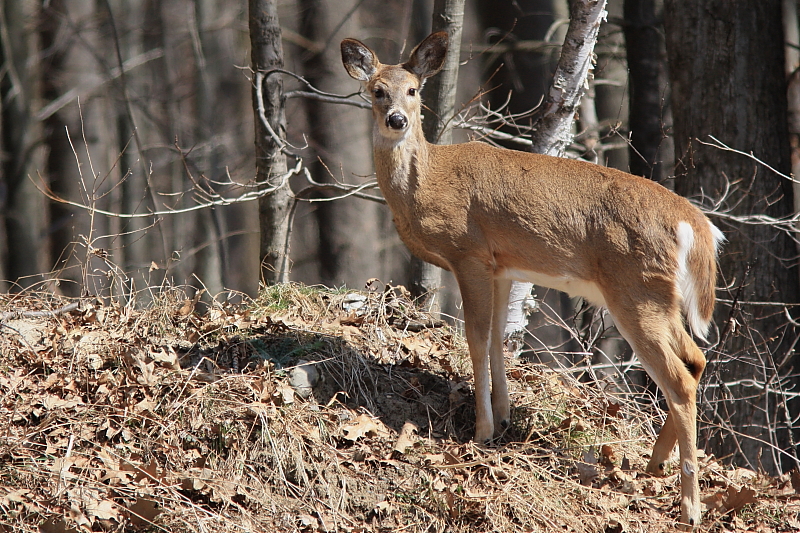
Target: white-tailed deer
491, 215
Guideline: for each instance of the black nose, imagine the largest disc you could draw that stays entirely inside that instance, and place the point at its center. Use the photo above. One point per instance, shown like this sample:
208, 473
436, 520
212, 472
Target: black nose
397, 121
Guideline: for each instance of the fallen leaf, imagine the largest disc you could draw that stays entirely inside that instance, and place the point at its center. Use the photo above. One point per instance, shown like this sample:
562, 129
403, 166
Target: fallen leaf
607, 456
731, 499
166, 357
406, 438
384, 508
450, 498
612, 409
51, 401
146, 407
587, 470
284, 394
143, 512
796, 480
444, 458
102, 509
736, 499
77, 516
364, 426
306, 522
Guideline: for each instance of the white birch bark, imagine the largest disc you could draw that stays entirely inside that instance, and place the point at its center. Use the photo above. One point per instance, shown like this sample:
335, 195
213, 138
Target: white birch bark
553, 131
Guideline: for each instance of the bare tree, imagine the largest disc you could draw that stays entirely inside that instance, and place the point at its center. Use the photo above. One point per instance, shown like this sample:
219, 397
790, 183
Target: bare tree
347, 229
82, 146
644, 46
737, 94
21, 205
270, 134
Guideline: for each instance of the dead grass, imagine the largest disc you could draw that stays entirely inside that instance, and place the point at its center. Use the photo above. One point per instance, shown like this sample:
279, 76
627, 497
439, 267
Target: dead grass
183, 417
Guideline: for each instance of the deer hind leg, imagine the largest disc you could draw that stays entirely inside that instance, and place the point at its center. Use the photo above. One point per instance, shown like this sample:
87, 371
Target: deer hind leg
675, 363
501, 406
475, 284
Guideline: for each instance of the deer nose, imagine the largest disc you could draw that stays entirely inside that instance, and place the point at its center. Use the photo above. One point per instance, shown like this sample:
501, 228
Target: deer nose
397, 121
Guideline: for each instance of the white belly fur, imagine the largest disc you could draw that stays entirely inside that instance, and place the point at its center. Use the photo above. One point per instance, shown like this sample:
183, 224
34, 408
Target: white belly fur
572, 286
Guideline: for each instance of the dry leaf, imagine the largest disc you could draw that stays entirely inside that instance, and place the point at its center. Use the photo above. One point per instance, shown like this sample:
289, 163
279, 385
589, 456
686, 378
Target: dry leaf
77, 516
166, 357
731, 499
450, 498
306, 521
364, 426
406, 438
587, 470
612, 409
736, 499
384, 508
102, 509
143, 512
607, 456
284, 394
796, 480
51, 401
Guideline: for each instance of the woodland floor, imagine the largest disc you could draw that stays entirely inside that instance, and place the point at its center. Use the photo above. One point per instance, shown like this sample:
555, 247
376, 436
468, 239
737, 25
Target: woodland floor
190, 417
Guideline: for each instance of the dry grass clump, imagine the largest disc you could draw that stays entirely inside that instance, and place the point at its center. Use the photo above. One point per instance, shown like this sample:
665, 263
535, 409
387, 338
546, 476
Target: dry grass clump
189, 416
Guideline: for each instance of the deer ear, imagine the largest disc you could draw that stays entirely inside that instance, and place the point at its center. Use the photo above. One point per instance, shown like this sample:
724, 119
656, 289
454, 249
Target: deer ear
359, 61
428, 57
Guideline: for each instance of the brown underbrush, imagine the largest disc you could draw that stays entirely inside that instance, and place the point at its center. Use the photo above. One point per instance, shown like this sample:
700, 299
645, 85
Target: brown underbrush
313, 410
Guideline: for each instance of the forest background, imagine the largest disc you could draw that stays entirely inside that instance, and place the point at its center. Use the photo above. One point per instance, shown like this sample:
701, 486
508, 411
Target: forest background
129, 163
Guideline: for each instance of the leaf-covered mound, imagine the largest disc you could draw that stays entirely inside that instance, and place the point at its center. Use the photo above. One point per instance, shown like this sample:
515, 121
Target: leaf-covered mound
313, 410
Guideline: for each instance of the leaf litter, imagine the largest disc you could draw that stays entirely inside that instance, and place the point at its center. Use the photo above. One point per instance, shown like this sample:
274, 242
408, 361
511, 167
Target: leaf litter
314, 410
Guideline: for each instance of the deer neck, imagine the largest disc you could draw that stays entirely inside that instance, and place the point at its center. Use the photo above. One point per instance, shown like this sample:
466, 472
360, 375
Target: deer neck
400, 163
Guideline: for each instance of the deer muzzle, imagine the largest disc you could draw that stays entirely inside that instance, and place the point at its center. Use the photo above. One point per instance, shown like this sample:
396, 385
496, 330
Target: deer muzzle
396, 121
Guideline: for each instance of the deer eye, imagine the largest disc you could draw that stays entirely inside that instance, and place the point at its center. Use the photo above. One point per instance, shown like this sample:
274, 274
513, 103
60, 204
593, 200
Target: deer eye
379, 93
412, 91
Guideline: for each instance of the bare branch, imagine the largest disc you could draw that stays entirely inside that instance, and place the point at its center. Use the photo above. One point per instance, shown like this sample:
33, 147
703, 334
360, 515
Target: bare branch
722, 146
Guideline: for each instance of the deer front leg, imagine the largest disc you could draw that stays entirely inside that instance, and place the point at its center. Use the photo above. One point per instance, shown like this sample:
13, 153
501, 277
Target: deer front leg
501, 406
475, 284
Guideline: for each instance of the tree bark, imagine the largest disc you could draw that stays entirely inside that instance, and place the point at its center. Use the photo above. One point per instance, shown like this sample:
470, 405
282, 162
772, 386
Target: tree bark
82, 143
644, 46
21, 206
440, 100
266, 54
348, 228
737, 94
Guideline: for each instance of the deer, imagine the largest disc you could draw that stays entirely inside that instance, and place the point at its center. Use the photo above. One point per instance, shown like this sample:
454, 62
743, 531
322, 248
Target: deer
492, 215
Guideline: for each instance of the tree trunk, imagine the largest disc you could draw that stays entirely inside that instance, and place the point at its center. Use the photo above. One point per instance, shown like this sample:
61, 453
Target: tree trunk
81, 141
22, 220
225, 103
737, 94
644, 46
348, 245
553, 130
267, 53
440, 100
